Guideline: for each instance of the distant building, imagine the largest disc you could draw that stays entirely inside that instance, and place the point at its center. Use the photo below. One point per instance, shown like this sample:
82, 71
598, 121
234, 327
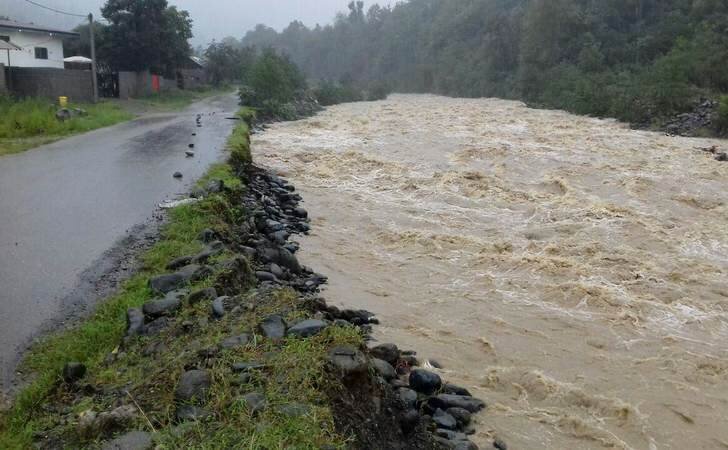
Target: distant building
192, 74
40, 46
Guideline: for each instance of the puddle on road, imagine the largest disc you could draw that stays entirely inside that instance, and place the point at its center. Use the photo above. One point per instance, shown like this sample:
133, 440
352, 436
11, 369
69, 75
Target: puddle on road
571, 270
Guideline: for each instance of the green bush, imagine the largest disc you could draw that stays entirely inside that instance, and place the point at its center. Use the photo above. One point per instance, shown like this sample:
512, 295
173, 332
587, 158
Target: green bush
723, 114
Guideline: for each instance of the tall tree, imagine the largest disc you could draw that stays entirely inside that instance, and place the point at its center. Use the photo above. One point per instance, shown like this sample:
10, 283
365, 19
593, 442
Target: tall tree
146, 34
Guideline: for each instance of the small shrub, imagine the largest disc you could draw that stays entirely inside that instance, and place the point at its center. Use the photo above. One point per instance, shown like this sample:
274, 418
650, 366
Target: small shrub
723, 114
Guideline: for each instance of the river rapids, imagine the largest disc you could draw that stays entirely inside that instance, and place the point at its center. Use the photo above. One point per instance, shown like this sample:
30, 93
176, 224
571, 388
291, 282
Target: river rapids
571, 271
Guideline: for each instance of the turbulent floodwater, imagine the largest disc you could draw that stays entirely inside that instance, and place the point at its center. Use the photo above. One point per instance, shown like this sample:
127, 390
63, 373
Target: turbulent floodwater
572, 271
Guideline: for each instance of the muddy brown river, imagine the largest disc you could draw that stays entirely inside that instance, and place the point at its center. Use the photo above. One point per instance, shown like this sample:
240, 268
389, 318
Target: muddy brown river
571, 271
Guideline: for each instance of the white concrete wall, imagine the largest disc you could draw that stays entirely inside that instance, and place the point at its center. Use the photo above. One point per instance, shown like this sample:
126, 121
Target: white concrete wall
28, 40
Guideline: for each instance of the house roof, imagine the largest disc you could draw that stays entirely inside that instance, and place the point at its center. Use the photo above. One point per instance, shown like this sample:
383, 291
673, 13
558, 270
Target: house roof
198, 61
6, 24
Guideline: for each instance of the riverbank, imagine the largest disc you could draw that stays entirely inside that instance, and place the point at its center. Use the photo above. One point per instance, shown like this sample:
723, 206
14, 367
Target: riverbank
227, 342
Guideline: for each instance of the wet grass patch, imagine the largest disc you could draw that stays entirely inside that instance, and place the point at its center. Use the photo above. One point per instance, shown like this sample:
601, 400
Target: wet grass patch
32, 122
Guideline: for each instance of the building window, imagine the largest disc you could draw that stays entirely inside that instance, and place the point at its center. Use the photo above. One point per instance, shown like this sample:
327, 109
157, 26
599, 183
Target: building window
5, 38
41, 53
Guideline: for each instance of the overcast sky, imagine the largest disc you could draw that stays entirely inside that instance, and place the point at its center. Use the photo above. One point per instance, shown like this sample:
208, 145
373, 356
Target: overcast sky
213, 19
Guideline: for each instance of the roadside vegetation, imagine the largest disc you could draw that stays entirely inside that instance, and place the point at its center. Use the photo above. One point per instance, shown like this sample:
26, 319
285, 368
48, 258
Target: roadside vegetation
31, 122
173, 100
52, 411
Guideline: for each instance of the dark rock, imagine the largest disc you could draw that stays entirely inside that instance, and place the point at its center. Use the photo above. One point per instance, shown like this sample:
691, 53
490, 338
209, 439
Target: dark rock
177, 175
249, 252
386, 352
384, 369
213, 248
280, 237
451, 436
134, 322
408, 397
73, 371
266, 276
462, 416
457, 390
409, 420
273, 327
282, 257
254, 402
444, 420
446, 401
194, 272
166, 283
192, 385
295, 410
218, 307
156, 326
500, 444
276, 270
168, 305
235, 341
135, 440
202, 295
425, 382
179, 262
247, 366
207, 235
192, 413
307, 328
357, 317
300, 212
191, 146
347, 361
721, 156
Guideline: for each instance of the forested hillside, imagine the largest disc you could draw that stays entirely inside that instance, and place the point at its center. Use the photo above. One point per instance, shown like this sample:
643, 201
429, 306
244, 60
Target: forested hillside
632, 59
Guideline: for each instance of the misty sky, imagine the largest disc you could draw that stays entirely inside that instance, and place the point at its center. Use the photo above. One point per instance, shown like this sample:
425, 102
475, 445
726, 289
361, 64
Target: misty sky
213, 19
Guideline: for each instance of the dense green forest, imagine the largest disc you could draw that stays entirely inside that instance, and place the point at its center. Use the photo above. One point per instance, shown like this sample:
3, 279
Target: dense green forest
637, 60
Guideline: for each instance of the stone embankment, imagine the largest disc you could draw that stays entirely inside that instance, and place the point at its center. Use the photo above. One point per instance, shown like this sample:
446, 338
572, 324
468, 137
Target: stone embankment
235, 341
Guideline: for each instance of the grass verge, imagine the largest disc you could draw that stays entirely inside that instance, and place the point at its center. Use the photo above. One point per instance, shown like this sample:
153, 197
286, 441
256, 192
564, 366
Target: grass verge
145, 371
31, 122
175, 100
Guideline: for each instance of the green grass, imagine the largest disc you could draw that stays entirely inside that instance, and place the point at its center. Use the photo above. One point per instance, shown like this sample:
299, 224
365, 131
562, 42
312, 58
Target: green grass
31, 122
295, 368
178, 99
239, 141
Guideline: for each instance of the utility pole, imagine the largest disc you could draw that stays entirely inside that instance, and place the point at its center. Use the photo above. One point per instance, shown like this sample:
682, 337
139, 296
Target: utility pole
92, 38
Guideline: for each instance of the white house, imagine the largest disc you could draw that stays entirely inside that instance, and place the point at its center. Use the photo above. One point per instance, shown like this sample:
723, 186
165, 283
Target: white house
40, 46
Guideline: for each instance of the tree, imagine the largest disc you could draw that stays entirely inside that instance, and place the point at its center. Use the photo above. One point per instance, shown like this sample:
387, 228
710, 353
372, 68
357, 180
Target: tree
227, 63
145, 35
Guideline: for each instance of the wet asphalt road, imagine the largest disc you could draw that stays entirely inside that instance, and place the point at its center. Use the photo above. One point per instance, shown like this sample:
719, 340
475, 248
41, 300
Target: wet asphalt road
63, 206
